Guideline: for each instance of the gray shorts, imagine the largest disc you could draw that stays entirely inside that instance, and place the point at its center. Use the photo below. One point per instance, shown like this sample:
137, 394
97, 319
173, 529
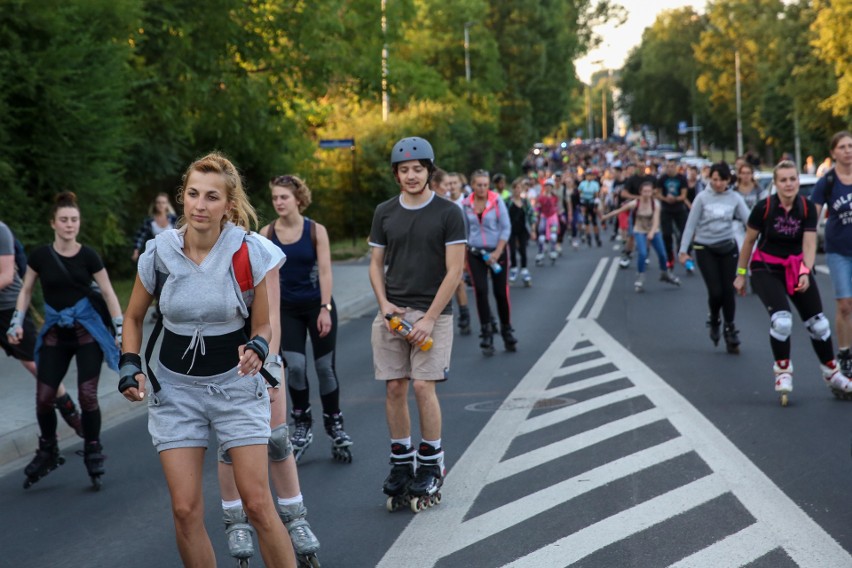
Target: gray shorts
182, 413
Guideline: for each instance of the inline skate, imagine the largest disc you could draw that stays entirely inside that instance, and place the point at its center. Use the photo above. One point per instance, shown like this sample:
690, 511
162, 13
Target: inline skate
844, 360
340, 440
668, 277
302, 432
639, 284
425, 489
401, 474
239, 534
840, 385
464, 320
525, 276
732, 338
305, 543
509, 341
513, 274
47, 459
715, 330
93, 457
486, 342
783, 379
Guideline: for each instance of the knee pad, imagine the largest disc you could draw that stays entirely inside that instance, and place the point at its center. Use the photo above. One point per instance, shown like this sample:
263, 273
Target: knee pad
781, 325
325, 373
280, 448
819, 327
541, 238
296, 370
224, 456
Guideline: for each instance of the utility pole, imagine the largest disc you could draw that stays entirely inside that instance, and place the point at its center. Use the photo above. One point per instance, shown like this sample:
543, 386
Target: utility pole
739, 105
590, 129
385, 100
796, 137
604, 128
467, 50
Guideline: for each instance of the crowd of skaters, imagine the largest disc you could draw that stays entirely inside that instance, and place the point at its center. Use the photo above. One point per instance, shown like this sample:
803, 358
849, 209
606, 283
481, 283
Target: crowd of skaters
479, 226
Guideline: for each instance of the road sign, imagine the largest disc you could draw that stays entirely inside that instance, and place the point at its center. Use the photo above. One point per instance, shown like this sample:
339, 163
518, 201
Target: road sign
332, 143
682, 127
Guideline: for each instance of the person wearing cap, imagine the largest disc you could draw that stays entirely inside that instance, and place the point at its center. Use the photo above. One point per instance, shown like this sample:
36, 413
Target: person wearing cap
420, 239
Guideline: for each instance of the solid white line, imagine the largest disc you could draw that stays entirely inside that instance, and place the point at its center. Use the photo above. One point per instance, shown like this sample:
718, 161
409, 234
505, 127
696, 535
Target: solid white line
587, 292
577, 546
584, 384
517, 512
604, 293
736, 550
584, 366
567, 446
545, 420
802, 539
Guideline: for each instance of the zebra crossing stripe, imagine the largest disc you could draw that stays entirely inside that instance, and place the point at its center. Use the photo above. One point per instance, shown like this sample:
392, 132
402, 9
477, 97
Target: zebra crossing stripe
556, 416
734, 551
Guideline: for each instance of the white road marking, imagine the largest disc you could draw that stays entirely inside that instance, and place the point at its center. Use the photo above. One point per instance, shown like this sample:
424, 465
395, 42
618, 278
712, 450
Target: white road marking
604, 293
588, 290
443, 530
574, 547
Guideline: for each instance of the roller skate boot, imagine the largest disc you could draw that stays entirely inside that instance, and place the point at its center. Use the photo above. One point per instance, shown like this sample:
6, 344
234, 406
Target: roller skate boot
840, 385
589, 240
93, 457
575, 243
425, 489
65, 405
464, 320
525, 276
239, 534
783, 379
715, 330
844, 360
669, 278
559, 249
624, 261
305, 543
539, 259
639, 284
47, 459
401, 474
553, 256
486, 336
513, 274
509, 340
340, 440
732, 338
302, 432
598, 241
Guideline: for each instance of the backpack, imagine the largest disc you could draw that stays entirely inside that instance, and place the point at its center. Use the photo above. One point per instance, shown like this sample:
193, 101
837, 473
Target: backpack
20, 258
241, 269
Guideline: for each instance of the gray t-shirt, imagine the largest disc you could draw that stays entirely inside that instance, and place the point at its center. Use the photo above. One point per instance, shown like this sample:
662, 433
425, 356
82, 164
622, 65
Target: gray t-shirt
712, 217
9, 294
415, 243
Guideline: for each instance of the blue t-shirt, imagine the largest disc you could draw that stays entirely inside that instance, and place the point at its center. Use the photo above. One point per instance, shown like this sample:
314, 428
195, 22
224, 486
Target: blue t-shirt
838, 227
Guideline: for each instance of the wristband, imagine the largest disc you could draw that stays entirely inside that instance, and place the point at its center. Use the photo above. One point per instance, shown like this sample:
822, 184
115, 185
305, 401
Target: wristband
741, 271
260, 346
129, 365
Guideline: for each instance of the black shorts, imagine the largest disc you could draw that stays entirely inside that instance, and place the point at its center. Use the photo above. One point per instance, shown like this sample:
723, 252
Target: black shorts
25, 350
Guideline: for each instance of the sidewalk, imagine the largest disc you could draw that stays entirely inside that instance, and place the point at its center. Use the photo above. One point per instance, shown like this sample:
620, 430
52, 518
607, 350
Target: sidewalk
19, 431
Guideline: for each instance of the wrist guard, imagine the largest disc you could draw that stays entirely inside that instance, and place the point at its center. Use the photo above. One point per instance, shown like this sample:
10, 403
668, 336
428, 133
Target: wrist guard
129, 365
16, 322
260, 346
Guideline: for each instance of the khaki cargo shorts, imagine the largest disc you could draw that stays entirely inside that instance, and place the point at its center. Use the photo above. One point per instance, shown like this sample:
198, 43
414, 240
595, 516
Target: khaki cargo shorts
395, 358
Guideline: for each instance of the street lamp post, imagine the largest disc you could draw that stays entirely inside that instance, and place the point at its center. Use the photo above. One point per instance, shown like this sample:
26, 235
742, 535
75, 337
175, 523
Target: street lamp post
739, 104
467, 50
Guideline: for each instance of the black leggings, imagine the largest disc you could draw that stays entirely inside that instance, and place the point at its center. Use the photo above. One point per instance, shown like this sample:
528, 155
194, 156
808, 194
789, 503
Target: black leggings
669, 221
297, 322
518, 246
59, 347
772, 291
719, 271
479, 272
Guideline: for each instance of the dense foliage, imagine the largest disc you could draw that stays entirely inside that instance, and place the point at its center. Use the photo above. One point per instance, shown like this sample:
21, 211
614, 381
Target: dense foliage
794, 61
113, 98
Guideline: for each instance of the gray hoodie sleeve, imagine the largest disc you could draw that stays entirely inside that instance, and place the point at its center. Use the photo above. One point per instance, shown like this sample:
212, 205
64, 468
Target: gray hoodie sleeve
692, 222
741, 212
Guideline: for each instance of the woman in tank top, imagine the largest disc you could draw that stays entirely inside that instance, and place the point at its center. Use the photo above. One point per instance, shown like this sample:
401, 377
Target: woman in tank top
307, 308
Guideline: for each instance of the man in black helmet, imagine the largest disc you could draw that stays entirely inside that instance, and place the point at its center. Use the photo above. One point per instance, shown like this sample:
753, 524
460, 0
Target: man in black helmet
421, 239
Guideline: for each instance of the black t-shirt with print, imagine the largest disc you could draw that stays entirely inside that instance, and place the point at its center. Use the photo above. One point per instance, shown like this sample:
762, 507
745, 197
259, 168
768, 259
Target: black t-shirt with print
59, 293
672, 186
782, 232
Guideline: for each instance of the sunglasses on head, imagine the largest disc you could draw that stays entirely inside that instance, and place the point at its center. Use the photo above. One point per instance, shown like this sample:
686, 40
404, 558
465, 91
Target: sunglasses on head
283, 180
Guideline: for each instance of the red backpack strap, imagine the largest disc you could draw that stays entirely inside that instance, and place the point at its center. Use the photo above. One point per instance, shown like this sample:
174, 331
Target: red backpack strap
804, 206
242, 268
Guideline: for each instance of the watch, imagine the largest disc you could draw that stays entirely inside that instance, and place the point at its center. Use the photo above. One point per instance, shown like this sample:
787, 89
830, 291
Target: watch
326, 306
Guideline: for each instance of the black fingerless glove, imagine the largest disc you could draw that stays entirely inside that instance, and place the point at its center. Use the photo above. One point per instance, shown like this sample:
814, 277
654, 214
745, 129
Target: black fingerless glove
129, 365
260, 346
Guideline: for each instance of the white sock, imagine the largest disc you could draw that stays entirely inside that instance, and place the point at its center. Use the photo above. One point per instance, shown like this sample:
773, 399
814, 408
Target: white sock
403, 441
232, 504
436, 444
290, 500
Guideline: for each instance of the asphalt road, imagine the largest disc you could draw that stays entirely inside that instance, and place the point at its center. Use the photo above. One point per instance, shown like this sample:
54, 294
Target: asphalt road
618, 438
